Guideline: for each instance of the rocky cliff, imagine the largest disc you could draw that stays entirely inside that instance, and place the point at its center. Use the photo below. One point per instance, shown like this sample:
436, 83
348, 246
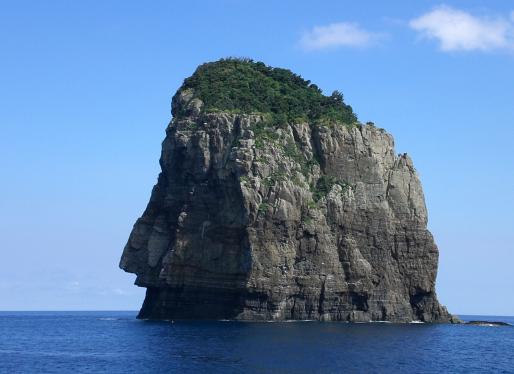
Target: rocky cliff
258, 219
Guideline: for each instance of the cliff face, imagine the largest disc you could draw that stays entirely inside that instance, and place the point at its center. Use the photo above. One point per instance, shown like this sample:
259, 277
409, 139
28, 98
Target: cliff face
298, 221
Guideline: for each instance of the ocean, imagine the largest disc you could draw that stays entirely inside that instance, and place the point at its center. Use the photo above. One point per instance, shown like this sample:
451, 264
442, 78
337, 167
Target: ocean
115, 342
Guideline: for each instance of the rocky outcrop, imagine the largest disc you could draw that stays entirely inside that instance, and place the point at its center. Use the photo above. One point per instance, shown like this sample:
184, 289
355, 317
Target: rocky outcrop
300, 221
488, 323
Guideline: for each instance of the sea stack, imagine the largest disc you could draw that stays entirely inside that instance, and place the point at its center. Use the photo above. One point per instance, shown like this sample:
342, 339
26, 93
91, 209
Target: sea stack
275, 203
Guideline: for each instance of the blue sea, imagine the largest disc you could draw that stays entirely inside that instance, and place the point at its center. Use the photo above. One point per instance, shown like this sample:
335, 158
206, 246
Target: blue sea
115, 342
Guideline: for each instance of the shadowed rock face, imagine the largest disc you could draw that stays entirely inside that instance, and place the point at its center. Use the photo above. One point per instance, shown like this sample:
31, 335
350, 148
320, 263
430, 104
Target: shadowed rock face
292, 222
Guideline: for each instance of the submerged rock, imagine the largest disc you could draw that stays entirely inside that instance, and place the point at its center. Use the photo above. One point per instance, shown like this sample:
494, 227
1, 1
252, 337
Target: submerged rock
252, 219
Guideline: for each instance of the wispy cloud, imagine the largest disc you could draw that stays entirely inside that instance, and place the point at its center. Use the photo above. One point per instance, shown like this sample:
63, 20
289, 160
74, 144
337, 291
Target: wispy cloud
343, 34
457, 30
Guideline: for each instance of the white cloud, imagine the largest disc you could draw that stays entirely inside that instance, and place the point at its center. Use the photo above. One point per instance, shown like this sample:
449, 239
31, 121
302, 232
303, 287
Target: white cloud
343, 34
458, 30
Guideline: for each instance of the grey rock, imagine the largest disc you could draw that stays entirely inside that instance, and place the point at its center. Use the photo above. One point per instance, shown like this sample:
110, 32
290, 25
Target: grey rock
236, 229
488, 323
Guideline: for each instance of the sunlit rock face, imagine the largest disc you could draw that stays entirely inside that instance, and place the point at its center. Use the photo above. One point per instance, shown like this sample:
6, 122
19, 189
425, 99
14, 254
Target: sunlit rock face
255, 221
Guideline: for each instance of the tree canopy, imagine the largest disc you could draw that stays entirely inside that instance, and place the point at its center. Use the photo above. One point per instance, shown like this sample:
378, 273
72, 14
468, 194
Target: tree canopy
246, 86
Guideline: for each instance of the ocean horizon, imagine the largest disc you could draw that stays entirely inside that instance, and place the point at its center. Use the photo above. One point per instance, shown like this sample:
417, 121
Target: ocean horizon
116, 342
465, 317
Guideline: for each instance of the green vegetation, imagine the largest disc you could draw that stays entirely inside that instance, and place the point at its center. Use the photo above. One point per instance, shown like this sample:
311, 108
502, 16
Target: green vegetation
324, 186
292, 150
263, 207
307, 220
191, 126
245, 86
264, 134
274, 178
312, 204
244, 179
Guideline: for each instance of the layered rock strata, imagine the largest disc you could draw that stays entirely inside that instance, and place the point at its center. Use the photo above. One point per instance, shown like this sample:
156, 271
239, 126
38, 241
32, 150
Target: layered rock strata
294, 222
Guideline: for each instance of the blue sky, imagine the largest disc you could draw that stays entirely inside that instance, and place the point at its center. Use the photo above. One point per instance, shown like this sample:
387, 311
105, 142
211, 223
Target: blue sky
86, 87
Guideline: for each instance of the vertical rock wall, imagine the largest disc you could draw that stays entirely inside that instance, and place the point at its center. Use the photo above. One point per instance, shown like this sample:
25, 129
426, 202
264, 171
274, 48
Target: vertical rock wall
294, 222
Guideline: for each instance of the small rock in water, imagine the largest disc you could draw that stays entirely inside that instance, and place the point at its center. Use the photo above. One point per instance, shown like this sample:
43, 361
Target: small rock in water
488, 323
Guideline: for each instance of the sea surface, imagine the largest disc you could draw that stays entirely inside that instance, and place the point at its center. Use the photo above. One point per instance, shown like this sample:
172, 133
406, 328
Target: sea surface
115, 342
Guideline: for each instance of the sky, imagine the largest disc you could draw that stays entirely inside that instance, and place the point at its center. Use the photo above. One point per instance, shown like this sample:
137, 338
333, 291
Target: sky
85, 92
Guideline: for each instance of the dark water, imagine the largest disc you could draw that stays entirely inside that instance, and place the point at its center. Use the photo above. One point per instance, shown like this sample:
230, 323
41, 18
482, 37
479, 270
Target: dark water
114, 342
